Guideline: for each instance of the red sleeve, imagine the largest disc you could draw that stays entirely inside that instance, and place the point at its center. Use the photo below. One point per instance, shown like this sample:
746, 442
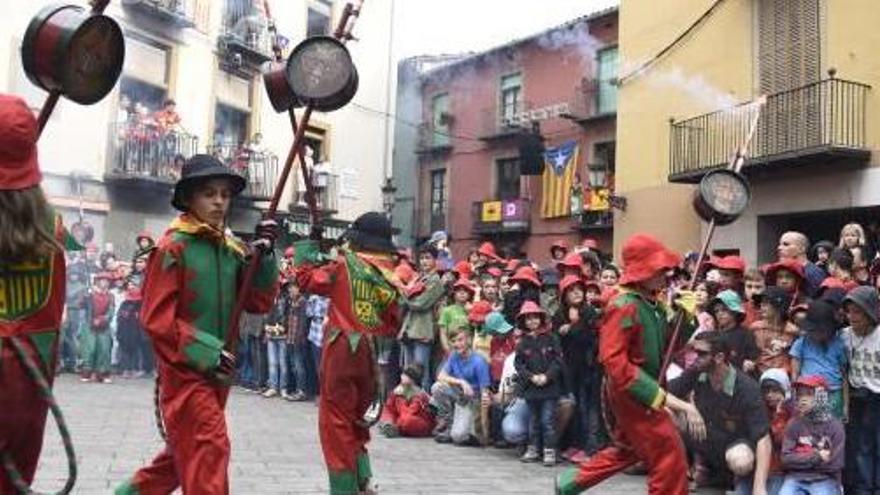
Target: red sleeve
389, 412
317, 279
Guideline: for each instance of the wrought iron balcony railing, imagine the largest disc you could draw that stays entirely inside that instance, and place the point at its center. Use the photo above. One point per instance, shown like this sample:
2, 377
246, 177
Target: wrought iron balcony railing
823, 118
141, 150
257, 166
326, 190
245, 30
180, 13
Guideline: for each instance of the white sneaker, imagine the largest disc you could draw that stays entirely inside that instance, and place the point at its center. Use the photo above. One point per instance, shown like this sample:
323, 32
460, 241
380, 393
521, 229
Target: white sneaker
270, 393
285, 395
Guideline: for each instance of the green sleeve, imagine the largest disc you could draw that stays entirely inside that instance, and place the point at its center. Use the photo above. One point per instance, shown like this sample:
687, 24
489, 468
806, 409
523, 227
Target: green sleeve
202, 352
428, 299
267, 272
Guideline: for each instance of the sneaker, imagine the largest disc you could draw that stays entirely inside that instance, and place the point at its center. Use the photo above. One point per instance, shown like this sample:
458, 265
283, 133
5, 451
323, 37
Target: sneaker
85, 378
389, 430
285, 395
442, 426
269, 393
531, 454
549, 457
298, 396
106, 379
444, 437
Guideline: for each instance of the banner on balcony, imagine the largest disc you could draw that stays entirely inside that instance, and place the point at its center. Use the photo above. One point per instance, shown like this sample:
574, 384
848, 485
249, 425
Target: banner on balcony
491, 211
559, 171
599, 199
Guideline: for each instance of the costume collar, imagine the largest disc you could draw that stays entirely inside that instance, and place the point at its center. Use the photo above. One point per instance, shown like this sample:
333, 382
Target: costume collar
189, 224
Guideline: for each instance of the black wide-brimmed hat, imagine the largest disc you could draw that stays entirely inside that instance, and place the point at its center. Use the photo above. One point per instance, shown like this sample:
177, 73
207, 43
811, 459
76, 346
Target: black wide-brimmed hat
372, 231
200, 168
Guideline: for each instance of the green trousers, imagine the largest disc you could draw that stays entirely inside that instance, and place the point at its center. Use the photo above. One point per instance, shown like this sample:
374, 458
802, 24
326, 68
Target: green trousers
95, 348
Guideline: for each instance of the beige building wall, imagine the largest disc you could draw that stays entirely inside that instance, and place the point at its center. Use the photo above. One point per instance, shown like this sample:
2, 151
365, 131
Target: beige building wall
708, 70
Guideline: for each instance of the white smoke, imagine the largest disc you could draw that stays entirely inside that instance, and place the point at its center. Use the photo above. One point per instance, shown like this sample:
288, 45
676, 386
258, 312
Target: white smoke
693, 85
573, 36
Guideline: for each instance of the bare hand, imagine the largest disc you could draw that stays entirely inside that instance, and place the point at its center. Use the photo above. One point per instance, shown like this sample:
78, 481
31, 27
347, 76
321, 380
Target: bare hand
748, 366
563, 330
466, 389
825, 455
696, 425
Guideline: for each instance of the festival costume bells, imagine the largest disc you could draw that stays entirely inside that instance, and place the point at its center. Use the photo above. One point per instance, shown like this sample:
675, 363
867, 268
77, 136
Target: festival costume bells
29, 322
362, 289
631, 342
188, 295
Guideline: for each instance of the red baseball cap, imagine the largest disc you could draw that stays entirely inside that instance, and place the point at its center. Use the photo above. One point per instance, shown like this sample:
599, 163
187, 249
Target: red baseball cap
732, 263
812, 381
19, 168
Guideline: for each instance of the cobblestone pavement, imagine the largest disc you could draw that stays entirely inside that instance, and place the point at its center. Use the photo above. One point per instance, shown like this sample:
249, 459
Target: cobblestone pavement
275, 450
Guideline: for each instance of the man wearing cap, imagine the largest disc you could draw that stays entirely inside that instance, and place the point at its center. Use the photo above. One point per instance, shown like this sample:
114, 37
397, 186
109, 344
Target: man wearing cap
862, 342
34, 257
363, 303
736, 441
189, 292
632, 338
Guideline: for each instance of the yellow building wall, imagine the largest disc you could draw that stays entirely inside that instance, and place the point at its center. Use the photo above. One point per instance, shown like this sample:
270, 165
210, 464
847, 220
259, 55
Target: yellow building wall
851, 41
710, 69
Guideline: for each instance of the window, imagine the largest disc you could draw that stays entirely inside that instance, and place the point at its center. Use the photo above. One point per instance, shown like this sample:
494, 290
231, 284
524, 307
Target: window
788, 44
440, 120
602, 169
511, 97
607, 73
230, 126
508, 178
318, 19
438, 193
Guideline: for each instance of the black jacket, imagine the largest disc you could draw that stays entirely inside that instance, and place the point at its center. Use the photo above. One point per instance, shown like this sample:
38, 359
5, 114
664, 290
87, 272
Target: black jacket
535, 355
580, 346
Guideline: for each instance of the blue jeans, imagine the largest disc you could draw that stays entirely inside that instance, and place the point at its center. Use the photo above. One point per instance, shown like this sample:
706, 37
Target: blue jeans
74, 325
316, 363
416, 352
774, 483
277, 352
542, 422
792, 486
515, 425
245, 363
299, 354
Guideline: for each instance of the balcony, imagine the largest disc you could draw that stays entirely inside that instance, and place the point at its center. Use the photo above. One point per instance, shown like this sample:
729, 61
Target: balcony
501, 217
498, 123
258, 167
591, 221
433, 140
143, 153
327, 192
244, 36
588, 105
822, 123
176, 13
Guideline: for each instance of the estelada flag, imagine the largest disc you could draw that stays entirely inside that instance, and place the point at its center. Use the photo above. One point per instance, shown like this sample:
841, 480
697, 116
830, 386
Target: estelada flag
560, 165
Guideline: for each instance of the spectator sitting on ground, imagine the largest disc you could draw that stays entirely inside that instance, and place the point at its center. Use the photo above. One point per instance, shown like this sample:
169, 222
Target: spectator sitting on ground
813, 448
407, 412
776, 389
459, 389
736, 440
820, 351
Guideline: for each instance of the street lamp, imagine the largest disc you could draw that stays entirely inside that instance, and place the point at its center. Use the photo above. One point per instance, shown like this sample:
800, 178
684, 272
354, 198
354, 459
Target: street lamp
388, 191
598, 175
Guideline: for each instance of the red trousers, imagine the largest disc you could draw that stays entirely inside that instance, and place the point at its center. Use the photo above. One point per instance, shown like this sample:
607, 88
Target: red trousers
196, 457
347, 387
22, 413
648, 436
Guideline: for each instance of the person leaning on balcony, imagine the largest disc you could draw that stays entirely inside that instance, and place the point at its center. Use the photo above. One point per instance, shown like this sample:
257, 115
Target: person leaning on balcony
794, 246
167, 119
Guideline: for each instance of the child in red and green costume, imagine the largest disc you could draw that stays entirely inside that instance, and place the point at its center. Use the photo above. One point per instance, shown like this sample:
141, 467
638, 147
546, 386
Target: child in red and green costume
632, 340
188, 297
363, 292
97, 343
32, 290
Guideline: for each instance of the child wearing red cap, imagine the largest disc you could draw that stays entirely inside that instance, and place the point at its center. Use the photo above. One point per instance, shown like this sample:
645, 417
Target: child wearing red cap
455, 315
32, 257
538, 365
813, 447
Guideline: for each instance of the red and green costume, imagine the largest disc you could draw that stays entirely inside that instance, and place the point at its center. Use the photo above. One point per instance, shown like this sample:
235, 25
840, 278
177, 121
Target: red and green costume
32, 298
632, 341
363, 304
188, 296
